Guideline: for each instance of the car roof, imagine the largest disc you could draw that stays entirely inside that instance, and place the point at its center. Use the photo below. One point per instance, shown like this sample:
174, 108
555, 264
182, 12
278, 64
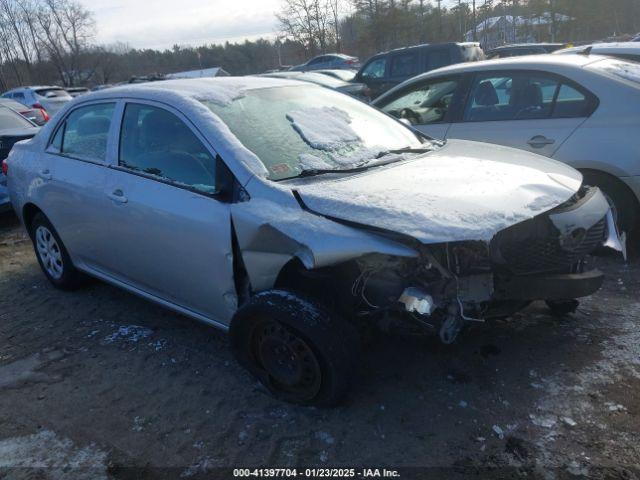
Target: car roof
525, 45
530, 62
341, 55
193, 88
525, 61
604, 48
34, 87
9, 102
429, 45
313, 76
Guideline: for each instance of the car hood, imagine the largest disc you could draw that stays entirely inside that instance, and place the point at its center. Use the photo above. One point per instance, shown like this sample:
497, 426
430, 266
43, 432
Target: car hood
25, 132
461, 191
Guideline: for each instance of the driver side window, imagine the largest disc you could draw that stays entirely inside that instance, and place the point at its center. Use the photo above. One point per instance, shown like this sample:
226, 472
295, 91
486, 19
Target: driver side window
156, 142
424, 103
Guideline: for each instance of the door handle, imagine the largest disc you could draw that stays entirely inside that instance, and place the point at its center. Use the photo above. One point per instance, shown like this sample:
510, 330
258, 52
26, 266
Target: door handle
45, 174
117, 196
540, 141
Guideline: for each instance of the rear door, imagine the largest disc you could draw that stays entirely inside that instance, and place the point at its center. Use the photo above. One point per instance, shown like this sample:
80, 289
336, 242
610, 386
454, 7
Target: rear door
72, 171
534, 111
427, 105
168, 214
404, 64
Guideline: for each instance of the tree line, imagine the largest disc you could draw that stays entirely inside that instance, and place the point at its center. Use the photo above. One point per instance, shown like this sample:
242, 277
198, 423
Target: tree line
53, 41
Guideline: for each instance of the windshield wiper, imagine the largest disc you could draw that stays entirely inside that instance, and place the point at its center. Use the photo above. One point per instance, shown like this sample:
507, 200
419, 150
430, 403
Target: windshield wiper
403, 150
321, 171
360, 168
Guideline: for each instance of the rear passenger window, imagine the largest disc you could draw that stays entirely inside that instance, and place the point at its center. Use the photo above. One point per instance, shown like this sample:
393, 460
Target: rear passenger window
156, 142
405, 64
84, 133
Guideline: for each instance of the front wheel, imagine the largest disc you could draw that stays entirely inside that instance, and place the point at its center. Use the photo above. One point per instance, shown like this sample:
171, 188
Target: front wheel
296, 348
52, 255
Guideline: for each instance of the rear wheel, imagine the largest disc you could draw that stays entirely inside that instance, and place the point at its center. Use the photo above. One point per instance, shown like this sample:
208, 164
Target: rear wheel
297, 349
52, 255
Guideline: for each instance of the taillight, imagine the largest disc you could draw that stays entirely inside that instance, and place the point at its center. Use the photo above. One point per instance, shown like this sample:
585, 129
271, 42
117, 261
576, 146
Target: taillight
39, 106
5, 167
352, 61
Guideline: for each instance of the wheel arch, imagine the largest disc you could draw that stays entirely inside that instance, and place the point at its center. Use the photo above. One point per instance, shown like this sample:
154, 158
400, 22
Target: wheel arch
613, 178
29, 211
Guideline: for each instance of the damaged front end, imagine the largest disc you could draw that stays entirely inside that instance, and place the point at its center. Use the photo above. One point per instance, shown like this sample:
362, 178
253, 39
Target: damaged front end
452, 283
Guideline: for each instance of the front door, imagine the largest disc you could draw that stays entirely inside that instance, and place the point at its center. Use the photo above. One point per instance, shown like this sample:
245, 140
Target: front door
170, 228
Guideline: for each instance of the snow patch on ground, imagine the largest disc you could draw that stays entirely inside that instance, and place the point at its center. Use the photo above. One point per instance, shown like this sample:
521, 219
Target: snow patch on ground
128, 333
566, 395
58, 458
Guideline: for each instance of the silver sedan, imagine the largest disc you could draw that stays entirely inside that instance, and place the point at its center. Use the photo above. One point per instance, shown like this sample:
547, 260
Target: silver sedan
294, 216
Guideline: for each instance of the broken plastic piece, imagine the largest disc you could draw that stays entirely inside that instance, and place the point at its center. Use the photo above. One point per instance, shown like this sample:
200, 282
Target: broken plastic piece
615, 240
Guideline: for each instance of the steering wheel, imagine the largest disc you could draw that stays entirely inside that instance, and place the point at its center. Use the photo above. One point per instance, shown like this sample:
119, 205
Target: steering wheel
410, 115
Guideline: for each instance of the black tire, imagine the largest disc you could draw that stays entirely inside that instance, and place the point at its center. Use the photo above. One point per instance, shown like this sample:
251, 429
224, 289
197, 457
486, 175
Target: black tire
298, 350
619, 196
562, 308
68, 277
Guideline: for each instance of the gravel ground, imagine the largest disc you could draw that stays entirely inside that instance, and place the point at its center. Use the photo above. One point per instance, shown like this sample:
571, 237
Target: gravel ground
101, 384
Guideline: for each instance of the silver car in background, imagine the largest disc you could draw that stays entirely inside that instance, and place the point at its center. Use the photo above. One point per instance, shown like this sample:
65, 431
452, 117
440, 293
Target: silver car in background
578, 109
293, 216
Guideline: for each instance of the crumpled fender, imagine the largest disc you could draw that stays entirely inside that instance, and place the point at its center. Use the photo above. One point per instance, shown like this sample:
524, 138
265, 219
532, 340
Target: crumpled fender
270, 235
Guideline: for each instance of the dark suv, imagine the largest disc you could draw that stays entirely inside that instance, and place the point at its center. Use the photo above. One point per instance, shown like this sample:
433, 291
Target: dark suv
386, 70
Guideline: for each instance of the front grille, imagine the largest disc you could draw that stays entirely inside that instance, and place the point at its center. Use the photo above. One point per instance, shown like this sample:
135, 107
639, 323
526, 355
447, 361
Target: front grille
547, 255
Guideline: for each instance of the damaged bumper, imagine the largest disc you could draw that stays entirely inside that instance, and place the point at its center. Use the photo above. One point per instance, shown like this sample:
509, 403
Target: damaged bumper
549, 287
539, 259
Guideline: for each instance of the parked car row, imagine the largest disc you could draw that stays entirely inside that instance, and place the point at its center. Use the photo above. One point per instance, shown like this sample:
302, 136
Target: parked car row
13, 128
292, 215
42, 102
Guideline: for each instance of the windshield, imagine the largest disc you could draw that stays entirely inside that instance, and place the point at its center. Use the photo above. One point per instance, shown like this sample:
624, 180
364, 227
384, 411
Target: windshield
297, 128
10, 119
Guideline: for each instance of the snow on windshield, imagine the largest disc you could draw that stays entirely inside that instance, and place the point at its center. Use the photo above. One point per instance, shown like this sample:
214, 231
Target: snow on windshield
329, 129
325, 128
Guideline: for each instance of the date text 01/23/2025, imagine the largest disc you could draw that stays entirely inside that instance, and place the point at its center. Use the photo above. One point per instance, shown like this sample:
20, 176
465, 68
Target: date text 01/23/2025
315, 473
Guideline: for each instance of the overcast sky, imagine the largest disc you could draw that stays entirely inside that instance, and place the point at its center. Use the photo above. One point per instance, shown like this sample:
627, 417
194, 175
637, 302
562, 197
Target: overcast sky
163, 23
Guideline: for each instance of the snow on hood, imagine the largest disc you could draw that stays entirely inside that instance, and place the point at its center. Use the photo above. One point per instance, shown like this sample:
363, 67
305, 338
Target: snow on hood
463, 191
